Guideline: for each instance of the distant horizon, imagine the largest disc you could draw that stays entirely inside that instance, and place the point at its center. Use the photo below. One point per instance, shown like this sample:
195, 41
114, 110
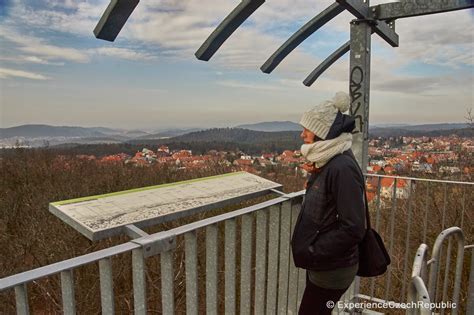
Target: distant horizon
223, 126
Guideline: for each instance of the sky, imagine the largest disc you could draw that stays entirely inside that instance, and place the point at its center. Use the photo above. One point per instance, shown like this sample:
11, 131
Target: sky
54, 71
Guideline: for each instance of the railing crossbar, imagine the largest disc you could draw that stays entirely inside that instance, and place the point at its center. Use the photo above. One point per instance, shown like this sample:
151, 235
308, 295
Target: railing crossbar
68, 264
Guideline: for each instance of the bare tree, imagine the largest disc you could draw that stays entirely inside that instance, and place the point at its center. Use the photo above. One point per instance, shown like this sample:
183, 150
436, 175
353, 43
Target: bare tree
469, 118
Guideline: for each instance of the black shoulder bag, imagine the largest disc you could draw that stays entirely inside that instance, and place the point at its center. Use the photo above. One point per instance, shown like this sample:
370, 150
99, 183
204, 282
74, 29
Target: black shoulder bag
373, 257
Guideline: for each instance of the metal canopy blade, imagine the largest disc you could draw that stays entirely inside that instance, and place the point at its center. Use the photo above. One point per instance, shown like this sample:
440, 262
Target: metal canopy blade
361, 10
313, 76
226, 28
408, 8
297, 38
114, 19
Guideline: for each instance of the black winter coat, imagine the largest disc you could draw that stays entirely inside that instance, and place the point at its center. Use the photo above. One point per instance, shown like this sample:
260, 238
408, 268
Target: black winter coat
332, 219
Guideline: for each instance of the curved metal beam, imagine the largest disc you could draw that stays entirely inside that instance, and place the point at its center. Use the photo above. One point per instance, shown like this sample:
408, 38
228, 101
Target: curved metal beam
114, 18
226, 28
341, 51
297, 38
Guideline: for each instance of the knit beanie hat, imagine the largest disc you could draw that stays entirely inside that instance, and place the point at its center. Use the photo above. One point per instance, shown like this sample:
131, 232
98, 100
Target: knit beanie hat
326, 120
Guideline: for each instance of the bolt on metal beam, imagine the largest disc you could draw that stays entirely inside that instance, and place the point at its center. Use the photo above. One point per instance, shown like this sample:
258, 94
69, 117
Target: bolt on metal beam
362, 11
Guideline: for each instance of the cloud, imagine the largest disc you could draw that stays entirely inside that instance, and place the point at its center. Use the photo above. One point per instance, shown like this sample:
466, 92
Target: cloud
56, 52
6, 73
35, 59
30, 59
247, 85
175, 29
409, 85
123, 53
74, 17
37, 46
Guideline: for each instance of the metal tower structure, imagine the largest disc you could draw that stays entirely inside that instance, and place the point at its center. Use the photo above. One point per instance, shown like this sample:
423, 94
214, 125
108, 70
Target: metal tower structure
379, 19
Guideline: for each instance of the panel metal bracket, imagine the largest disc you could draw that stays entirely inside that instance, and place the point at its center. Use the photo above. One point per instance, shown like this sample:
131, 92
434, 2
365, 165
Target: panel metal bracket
156, 245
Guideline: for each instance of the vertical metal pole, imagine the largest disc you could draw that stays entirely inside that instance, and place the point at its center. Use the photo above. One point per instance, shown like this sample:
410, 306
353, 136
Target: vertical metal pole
260, 260
377, 225
470, 291
21, 298
463, 206
272, 271
67, 292
190, 247
437, 296
139, 281
211, 269
446, 274
293, 277
106, 286
360, 88
246, 264
229, 269
407, 241
167, 282
392, 233
445, 201
427, 208
283, 266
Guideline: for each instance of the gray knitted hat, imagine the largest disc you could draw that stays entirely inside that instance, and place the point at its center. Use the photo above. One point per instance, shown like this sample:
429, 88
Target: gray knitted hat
320, 118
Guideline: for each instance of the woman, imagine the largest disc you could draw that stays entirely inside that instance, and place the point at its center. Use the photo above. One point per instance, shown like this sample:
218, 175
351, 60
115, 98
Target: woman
332, 218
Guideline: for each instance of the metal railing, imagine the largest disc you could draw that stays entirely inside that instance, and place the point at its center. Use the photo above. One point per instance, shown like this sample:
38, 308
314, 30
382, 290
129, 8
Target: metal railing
409, 211
247, 257
278, 284
418, 291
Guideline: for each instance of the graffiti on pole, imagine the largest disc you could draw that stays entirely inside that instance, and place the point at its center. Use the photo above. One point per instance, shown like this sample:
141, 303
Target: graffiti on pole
356, 78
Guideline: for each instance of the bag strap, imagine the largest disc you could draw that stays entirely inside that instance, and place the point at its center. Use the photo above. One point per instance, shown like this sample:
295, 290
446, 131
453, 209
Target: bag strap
367, 216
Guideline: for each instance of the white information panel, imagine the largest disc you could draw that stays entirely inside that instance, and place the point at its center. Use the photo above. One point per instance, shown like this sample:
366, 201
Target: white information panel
102, 216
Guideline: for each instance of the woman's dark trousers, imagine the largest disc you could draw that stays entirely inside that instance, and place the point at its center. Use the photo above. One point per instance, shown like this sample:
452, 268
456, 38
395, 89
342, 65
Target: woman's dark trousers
315, 299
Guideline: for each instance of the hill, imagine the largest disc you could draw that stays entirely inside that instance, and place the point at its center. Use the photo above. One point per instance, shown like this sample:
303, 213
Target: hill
227, 139
168, 133
37, 131
272, 126
418, 131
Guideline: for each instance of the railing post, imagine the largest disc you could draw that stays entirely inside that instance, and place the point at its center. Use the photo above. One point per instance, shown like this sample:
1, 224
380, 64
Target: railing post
191, 273
260, 260
272, 272
285, 227
392, 232
435, 263
246, 264
229, 275
67, 292
167, 282
470, 291
211, 269
21, 298
293, 276
106, 286
139, 281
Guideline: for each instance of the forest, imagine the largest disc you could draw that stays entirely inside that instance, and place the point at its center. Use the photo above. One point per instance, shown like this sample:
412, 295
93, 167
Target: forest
30, 236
